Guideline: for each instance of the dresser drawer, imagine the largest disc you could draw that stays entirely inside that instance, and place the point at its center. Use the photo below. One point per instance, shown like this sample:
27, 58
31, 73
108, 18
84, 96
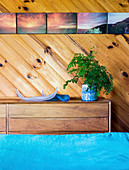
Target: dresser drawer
59, 125
2, 118
61, 117
59, 110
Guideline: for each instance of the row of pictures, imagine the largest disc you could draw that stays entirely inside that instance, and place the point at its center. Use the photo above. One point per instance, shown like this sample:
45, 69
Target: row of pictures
64, 23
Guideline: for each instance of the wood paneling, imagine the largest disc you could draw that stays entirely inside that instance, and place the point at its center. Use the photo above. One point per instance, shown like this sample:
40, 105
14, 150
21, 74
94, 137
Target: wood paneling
64, 6
21, 52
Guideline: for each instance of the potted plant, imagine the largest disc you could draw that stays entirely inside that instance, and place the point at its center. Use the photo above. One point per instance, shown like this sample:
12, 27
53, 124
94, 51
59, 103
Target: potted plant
94, 76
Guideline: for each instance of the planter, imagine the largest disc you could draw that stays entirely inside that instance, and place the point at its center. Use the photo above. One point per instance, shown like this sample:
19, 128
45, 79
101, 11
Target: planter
88, 95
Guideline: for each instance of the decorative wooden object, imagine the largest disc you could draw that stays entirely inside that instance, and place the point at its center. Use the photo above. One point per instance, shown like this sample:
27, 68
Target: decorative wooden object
19, 53
74, 116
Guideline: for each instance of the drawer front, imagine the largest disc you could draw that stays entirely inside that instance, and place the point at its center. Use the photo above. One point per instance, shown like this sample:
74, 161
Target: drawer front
2, 118
58, 110
58, 125
52, 118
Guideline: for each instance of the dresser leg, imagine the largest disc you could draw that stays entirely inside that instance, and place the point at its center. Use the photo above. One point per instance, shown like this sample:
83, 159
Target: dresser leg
7, 118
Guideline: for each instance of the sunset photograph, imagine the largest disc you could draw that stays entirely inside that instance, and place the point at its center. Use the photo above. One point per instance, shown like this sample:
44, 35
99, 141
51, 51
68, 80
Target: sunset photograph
31, 23
118, 23
92, 23
62, 23
7, 23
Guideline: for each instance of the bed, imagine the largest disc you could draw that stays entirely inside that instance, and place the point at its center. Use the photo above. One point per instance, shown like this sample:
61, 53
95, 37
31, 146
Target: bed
65, 152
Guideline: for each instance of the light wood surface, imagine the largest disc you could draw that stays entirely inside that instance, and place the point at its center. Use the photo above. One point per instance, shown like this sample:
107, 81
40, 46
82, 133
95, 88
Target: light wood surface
2, 118
21, 52
2, 110
63, 49
17, 100
2, 125
65, 6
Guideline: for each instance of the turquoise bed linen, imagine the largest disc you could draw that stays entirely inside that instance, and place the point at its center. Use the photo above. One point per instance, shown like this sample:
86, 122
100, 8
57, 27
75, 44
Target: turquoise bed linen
105, 151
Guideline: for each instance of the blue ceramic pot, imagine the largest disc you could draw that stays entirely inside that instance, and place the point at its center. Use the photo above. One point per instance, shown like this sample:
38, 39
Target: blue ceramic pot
88, 95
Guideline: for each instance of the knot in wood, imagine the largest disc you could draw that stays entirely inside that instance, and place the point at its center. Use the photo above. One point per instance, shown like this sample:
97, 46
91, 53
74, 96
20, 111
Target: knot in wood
115, 44
48, 50
1, 65
109, 47
38, 60
25, 1
25, 8
125, 74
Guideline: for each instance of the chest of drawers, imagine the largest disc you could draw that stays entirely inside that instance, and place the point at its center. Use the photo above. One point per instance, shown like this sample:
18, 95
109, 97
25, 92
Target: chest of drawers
74, 116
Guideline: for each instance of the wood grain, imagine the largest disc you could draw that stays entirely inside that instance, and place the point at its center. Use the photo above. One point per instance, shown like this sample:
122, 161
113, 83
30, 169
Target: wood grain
53, 71
58, 125
64, 6
17, 100
61, 117
58, 110
54, 133
21, 52
50, 117
2, 124
2, 118
2, 110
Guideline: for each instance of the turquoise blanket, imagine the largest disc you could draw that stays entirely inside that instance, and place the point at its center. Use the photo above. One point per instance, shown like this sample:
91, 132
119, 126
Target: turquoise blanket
107, 151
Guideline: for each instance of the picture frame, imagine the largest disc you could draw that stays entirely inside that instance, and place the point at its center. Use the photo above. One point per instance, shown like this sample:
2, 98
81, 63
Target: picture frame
31, 23
62, 23
92, 23
118, 23
7, 23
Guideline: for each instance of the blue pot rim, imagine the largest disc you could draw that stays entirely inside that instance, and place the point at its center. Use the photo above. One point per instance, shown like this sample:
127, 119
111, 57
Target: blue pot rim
84, 88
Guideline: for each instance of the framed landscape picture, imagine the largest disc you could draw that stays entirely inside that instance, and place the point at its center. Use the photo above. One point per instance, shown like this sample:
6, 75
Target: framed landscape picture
118, 23
92, 23
31, 23
7, 23
62, 23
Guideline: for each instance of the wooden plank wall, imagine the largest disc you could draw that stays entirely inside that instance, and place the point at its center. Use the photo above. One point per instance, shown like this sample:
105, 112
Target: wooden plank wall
19, 53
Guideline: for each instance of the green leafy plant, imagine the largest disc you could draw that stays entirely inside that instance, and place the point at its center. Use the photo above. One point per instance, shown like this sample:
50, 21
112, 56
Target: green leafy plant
88, 69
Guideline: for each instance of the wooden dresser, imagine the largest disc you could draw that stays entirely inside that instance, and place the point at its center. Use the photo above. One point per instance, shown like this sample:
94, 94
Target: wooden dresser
74, 116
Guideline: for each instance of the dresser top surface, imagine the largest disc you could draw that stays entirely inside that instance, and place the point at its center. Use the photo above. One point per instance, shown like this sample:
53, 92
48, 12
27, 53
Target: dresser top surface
16, 100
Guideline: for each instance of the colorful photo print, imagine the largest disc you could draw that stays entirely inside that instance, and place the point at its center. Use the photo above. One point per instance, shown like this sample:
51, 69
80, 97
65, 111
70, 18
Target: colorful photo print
62, 23
118, 23
7, 23
31, 23
92, 23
